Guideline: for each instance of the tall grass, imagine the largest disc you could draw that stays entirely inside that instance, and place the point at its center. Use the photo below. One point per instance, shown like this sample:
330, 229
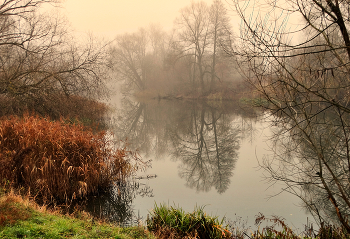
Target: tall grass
171, 222
280, 230
57, 161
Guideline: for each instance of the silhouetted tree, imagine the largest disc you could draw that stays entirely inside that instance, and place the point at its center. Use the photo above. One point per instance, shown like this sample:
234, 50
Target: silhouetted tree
39, 60
306, 85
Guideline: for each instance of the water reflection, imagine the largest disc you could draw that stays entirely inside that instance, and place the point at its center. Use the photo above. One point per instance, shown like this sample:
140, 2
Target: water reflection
207, 145
194, 147
116, 205
204, 136
312, 157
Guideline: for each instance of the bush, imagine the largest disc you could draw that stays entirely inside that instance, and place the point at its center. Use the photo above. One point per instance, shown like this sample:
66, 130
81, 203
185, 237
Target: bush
170, 222
88, 111
54, 160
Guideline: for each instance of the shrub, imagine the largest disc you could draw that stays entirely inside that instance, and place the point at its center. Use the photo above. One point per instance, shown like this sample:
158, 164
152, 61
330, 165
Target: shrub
332, 231
54, 160
88, 111
170, 222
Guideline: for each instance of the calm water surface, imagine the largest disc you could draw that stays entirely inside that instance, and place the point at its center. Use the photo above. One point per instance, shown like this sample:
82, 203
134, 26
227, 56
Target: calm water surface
204, 154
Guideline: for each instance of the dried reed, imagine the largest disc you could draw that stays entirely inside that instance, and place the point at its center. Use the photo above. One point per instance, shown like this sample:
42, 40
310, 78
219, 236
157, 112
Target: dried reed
56, 161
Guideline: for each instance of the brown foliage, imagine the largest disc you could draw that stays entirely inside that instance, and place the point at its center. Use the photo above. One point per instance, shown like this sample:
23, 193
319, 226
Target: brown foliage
271, 231
58, 161
58, 105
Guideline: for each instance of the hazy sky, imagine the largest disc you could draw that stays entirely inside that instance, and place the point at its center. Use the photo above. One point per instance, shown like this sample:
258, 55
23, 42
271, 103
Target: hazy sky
111, 17
108, 18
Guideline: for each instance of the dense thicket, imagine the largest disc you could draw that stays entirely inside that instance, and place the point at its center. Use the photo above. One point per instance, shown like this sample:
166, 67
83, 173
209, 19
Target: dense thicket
58, 161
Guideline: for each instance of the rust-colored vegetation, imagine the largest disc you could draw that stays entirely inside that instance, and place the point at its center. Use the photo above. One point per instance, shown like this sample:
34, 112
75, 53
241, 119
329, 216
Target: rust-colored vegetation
74, 107
56, 161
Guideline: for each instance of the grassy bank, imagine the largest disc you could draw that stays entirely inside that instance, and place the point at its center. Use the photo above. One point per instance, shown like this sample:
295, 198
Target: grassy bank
21, 218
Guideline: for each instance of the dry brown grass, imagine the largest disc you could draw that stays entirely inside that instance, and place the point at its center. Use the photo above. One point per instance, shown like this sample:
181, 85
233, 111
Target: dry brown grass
14, 207
88, 111
10, 212
56, 161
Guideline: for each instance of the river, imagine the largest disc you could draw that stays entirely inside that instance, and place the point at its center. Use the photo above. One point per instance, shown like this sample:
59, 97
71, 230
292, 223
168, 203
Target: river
201, 154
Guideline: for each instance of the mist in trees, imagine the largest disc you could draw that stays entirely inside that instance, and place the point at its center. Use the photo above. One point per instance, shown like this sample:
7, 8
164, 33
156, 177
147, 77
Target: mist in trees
302, 74
305, 81
190, 60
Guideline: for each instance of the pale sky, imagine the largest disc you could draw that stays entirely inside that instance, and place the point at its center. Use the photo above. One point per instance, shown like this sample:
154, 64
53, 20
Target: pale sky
111, 17
108, 18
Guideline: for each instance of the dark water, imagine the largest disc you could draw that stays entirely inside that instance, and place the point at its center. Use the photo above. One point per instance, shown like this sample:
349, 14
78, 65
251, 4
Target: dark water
202, 154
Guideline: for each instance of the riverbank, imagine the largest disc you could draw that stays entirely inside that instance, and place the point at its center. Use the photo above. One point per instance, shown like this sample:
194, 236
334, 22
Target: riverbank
22, 218
227, 91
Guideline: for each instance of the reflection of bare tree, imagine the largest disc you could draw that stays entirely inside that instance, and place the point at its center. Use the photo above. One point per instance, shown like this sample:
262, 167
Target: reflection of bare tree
132, 124
116, 205
204, 137
207, 146
144, 125
312, 158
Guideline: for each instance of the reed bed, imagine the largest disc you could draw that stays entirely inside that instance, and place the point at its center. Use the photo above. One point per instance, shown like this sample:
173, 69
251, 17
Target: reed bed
172, 222
56, 161
88, 111
280, 230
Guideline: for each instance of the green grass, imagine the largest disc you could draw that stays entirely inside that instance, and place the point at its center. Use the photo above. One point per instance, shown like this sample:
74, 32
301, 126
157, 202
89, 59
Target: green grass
21, 219
168, 221
53, 226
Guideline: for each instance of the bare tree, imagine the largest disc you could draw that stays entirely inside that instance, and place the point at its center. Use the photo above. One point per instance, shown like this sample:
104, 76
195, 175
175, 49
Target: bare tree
202, 32
194, 36
220, 35
39, 59
129, 58
306, 87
